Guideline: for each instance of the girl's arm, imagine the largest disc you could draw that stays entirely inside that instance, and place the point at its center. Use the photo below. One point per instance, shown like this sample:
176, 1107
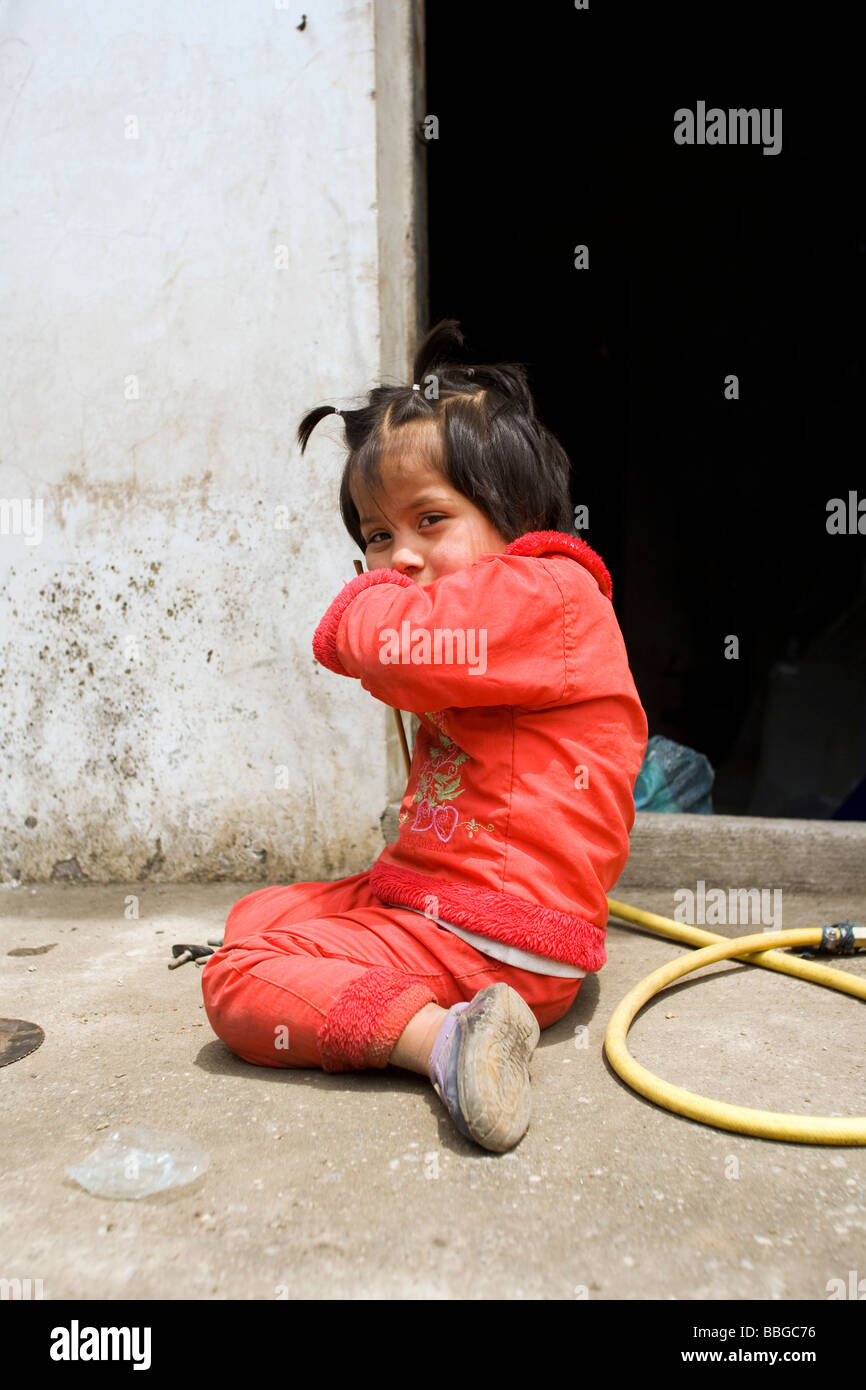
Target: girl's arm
508, 630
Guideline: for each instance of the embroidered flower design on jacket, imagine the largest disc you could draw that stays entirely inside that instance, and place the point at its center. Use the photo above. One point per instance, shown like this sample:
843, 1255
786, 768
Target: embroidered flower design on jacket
439, 782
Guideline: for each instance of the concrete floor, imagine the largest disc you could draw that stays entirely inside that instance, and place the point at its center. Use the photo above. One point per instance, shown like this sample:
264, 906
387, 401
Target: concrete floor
356, 1186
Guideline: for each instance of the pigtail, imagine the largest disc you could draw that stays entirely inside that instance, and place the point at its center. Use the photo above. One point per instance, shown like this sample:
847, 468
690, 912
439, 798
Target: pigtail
309, 422
444, 342
437, 348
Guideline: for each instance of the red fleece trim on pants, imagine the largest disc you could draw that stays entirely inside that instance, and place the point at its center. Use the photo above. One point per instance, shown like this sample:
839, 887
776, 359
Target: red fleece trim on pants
366, 1020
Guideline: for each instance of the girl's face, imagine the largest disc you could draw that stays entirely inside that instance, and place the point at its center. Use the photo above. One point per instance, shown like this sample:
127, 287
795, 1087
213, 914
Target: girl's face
433, 530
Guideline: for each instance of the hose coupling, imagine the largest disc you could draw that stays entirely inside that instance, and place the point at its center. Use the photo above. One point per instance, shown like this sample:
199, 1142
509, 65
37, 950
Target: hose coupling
843, 938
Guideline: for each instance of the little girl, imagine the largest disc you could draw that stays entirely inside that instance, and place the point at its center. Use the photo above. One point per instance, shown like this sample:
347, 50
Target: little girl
482, 614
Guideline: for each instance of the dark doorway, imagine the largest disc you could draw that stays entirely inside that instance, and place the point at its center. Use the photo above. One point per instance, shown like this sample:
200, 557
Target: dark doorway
704, 261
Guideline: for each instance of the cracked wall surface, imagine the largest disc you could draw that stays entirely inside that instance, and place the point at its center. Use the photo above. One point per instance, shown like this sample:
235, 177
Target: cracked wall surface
188, 229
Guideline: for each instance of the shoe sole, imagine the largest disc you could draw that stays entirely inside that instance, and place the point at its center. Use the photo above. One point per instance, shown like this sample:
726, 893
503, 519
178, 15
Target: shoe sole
498, 1038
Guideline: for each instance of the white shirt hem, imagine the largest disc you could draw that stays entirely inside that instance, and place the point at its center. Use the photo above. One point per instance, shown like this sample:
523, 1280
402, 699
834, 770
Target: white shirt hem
509, 955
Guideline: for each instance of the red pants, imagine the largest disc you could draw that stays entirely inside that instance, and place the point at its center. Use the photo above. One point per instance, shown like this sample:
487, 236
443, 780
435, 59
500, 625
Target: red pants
326, 975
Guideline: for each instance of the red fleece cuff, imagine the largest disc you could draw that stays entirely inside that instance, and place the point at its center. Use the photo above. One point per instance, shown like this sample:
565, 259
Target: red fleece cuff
325, 637
366, 1020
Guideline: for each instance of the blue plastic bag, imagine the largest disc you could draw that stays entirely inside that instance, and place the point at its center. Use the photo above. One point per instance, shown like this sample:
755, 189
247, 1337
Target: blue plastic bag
673, 778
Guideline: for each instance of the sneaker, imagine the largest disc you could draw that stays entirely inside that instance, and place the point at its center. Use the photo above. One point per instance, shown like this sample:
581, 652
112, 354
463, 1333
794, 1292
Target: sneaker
479, 1066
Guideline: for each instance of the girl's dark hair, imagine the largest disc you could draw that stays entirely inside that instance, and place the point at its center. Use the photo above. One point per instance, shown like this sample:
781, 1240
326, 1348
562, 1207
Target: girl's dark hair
478, 426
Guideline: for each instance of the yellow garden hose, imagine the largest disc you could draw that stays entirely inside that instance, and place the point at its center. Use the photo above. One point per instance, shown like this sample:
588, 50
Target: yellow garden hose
758, 949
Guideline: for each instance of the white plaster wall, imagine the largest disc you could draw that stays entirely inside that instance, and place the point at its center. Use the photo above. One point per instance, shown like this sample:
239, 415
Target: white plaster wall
156, 670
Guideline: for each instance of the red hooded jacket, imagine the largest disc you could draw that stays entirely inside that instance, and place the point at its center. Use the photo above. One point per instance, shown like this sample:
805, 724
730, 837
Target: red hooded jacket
517, 813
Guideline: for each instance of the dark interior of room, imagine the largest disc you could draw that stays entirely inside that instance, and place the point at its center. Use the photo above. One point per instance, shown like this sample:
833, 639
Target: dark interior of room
704, 261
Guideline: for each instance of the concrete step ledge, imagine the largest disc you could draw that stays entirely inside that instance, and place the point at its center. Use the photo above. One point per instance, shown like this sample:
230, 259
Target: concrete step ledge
745, 852
675, 851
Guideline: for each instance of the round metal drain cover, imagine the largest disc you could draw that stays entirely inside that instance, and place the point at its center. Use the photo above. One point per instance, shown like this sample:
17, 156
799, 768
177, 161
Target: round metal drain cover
18, 1038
